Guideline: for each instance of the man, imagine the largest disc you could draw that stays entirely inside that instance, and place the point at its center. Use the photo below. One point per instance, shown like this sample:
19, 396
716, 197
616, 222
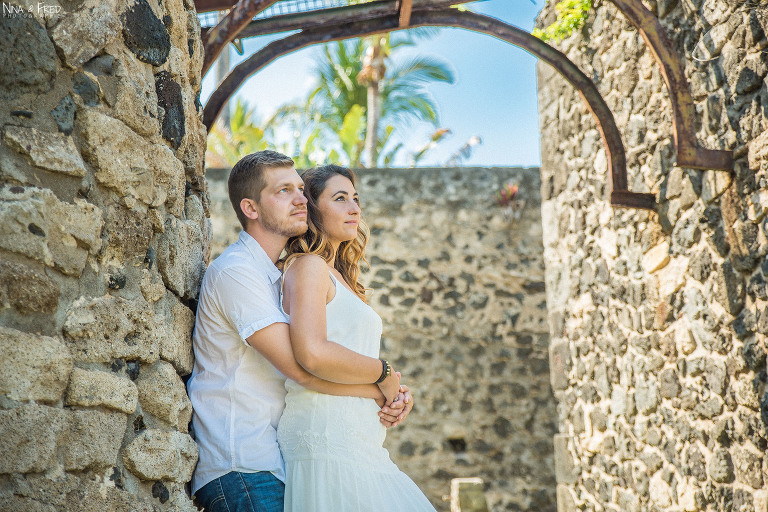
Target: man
243, 352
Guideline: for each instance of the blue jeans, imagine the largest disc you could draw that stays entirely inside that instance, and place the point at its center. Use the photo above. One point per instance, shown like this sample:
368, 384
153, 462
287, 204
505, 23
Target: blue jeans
243, 492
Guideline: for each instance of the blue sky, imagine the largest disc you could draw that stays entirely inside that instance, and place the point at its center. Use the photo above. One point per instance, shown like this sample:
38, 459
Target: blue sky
493, 97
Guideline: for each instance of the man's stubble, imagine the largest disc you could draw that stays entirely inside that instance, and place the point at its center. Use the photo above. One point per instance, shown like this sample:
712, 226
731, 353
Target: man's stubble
283, 227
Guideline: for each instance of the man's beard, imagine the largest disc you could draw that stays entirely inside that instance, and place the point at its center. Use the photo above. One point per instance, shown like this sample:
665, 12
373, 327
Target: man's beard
283, 227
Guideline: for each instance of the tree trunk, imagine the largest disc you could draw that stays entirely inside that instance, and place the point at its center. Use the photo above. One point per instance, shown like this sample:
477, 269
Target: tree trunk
222, 70
372, 76
372, 130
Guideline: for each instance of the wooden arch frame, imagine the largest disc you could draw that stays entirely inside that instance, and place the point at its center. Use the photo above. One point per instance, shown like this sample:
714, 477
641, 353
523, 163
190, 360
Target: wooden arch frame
381, 17
620, 195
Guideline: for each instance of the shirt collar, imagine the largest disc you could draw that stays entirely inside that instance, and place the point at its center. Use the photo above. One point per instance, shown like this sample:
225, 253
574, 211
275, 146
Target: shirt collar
258, 254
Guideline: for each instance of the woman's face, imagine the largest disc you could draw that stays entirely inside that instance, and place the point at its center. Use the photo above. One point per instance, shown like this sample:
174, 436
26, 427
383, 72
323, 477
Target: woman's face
339, 209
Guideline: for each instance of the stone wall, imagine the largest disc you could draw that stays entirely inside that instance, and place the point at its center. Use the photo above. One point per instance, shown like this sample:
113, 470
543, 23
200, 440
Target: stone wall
459, 284
103, 240
659, 320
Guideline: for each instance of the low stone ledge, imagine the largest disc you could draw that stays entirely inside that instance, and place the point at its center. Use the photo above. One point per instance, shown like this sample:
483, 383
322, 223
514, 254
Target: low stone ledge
467, 495
93, 388
158, 455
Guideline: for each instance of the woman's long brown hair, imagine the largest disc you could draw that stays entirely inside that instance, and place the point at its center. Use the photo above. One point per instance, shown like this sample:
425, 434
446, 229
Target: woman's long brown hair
315, 240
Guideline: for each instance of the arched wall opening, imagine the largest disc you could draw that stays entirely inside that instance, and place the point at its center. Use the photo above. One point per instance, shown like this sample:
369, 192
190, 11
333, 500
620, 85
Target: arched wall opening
618, 190
503, 431
465, 310
658, 322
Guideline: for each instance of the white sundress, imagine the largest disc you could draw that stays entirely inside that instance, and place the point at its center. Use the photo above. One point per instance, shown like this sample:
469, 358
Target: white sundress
333, 445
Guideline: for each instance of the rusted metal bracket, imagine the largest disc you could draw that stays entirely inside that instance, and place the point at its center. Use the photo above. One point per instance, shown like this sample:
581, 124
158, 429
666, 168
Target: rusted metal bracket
404, 7
620, 195
689, 153
228, 28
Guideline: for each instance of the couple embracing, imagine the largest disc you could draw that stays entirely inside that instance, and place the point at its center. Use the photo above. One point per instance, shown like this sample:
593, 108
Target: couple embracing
291, 401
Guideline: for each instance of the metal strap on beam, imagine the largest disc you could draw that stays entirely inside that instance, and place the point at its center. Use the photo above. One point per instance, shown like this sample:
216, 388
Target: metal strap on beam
405, 6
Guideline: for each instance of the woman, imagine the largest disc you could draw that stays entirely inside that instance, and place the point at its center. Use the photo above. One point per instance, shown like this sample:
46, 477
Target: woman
332, 445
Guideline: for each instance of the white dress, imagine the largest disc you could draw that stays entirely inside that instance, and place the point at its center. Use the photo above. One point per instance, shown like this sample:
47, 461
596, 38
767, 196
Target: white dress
332, 445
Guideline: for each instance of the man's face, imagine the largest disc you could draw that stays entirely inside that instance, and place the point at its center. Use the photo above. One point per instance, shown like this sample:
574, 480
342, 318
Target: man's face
282, 206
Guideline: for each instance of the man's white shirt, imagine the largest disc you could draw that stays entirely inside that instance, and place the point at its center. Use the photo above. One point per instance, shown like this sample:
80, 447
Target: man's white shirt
236, 394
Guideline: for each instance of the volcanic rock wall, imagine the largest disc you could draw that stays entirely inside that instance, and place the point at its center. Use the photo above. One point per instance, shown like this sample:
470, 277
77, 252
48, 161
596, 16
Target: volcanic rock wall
103, 240
659, 320
459, 283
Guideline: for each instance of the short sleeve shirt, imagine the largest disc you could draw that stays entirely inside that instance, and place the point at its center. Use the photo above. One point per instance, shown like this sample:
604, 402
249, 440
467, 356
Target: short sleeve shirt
237, 395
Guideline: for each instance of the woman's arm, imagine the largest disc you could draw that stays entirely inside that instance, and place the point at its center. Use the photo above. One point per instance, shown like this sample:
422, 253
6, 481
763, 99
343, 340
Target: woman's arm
306, 285
274, 344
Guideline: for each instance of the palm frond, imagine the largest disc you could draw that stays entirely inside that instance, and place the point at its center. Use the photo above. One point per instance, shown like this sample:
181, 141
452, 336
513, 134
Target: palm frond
401, 109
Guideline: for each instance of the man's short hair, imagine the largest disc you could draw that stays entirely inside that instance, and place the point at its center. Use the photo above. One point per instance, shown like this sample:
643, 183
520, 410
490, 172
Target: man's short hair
247, 180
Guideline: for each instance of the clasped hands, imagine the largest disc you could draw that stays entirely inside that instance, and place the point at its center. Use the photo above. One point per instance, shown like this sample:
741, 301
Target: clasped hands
396, 402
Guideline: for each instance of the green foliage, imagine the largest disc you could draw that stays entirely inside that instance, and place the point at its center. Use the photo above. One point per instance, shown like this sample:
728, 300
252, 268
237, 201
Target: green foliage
330, 124
571, 15
434, 139
336, 110
247, 134
228, 144
351, 134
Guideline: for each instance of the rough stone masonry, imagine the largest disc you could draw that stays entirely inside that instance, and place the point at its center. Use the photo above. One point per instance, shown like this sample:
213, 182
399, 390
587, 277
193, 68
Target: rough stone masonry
658, 321
103, 240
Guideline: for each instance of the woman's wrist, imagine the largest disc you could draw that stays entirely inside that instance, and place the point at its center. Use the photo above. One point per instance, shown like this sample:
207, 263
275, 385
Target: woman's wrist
386, 371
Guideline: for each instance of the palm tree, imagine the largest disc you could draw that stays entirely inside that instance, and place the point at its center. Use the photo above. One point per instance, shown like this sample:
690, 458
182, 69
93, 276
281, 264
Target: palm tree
342, 95
228, 144
246, 134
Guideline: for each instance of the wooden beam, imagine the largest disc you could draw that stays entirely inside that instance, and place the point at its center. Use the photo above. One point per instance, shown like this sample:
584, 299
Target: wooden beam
321, 18
213, 5
228, 28
334, 16
224, 5
405, 7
